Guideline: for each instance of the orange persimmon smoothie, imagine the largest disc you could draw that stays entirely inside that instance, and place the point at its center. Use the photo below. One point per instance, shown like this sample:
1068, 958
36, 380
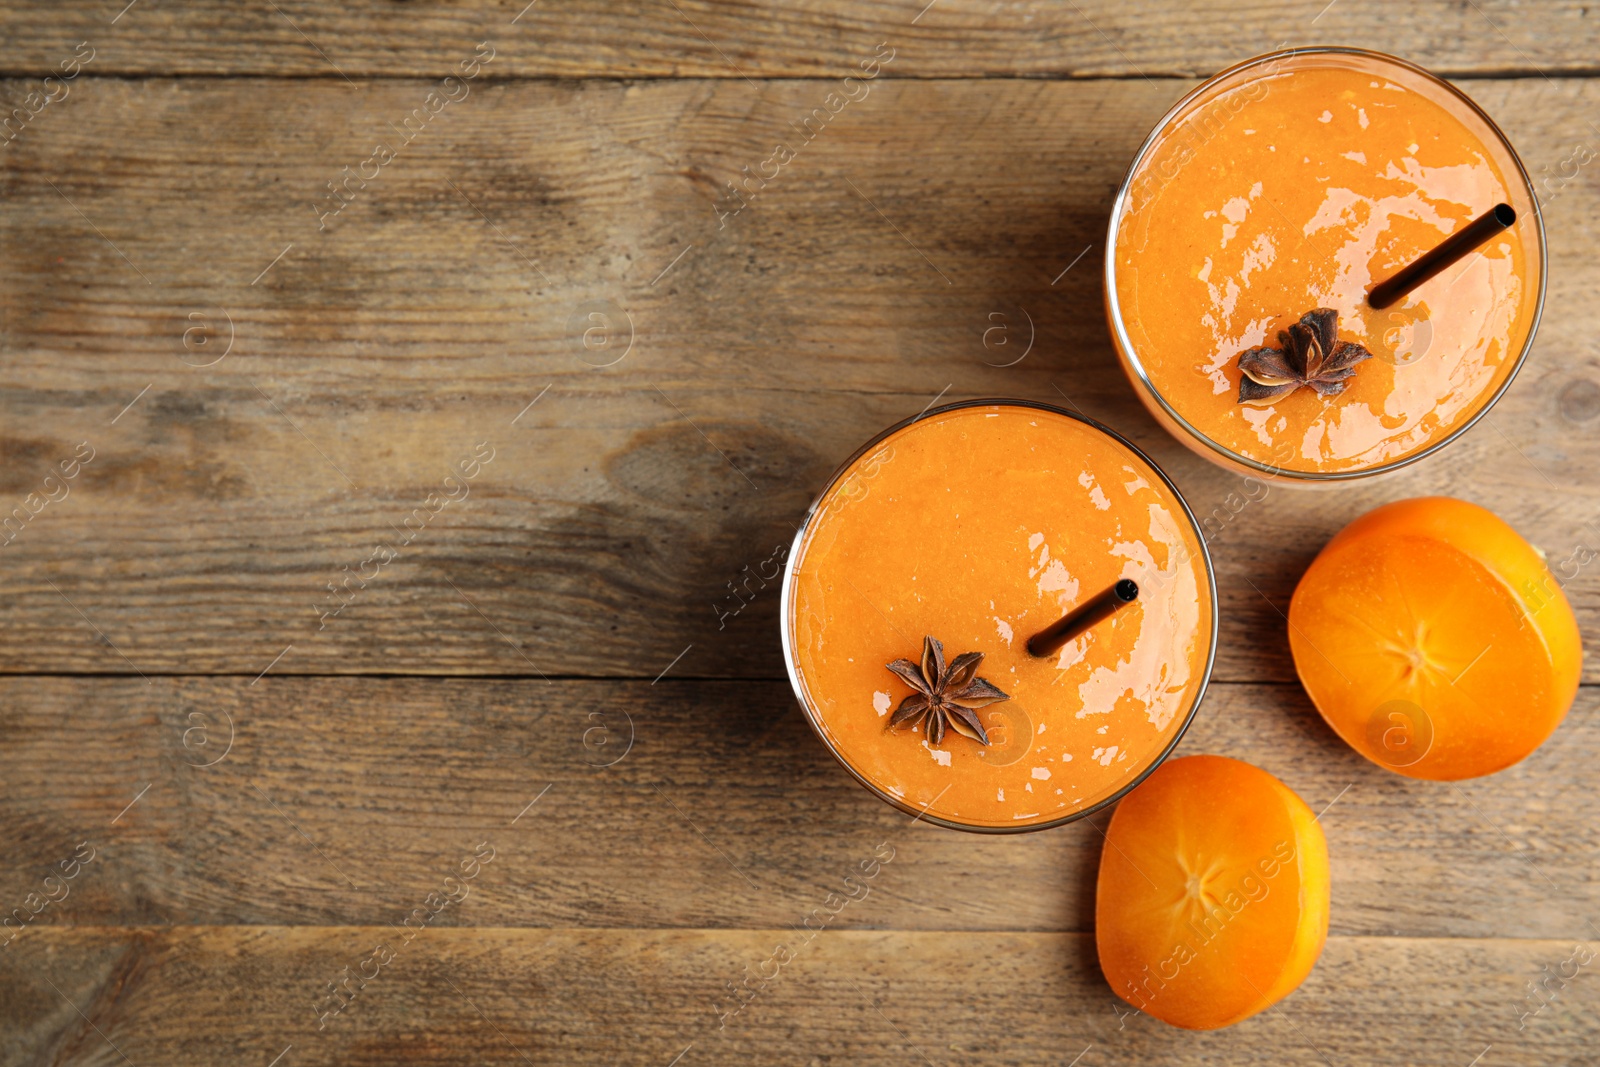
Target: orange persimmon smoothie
979, 525
1295, 183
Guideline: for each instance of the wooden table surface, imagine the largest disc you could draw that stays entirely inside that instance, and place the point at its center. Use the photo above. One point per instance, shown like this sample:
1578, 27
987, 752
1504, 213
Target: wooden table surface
542, 674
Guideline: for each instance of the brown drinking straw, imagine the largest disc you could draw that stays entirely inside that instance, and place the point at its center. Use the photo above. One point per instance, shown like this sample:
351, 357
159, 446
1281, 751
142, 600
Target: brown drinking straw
1082, 617
1455, 247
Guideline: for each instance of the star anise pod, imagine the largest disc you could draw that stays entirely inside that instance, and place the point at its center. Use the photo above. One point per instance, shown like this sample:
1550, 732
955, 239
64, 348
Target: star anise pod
1311, 354
946, 695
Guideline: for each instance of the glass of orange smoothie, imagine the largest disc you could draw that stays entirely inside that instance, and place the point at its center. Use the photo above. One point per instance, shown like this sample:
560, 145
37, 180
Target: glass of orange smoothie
1291, 184
980, 524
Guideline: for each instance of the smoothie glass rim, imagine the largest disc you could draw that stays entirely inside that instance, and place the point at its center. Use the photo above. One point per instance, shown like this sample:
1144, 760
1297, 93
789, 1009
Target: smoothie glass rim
785, 605
1216, 452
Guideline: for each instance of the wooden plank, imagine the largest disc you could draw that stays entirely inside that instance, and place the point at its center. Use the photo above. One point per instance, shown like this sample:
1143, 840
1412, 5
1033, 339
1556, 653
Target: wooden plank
618, 511
346, 801
820, 38
248, 994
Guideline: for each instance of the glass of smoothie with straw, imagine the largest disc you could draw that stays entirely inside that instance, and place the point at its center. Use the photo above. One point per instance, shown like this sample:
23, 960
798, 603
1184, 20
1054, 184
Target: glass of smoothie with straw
999, 616
1324, 264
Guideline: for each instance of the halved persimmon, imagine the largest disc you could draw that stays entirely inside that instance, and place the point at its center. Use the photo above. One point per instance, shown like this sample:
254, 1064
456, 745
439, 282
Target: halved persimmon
1212, 903
1435, 640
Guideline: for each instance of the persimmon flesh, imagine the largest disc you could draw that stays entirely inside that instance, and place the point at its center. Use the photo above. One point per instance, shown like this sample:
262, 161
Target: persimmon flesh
1435, 640
1212, 902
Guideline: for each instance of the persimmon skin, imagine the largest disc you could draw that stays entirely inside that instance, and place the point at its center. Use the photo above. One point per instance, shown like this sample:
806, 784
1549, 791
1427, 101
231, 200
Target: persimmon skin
1435, 607
1213, 896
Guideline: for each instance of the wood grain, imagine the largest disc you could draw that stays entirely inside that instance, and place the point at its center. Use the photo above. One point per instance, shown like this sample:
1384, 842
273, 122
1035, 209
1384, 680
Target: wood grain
246, 994
618, 512
345, 801
270, 388
819, 38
